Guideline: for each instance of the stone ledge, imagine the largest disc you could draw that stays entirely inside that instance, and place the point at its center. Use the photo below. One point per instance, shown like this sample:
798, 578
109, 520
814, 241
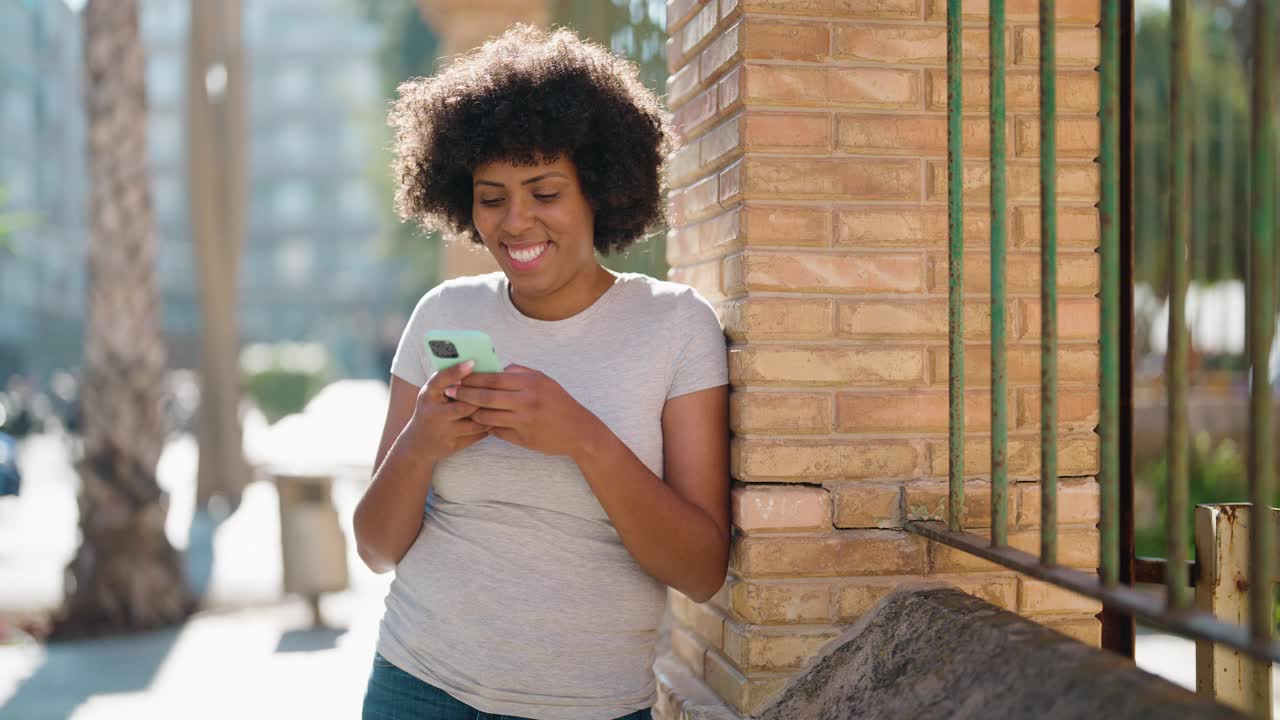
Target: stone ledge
930, 650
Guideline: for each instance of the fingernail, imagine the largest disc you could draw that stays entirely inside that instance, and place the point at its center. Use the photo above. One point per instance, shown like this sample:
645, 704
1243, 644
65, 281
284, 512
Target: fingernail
451, 392
466, 366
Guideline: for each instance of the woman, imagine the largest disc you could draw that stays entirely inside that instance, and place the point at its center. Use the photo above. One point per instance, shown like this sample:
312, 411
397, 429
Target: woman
535, 517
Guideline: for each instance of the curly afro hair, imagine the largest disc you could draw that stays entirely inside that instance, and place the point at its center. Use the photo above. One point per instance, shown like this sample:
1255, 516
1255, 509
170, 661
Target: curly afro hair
527, 97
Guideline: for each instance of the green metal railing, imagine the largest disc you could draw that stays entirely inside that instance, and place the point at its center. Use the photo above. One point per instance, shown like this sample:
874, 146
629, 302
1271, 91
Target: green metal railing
1171, 607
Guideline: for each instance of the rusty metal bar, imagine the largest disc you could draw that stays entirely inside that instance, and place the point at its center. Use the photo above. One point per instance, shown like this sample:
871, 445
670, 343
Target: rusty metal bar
1109, 426
1048, 288
1146, 604
1176, 367
999, 302
955, 269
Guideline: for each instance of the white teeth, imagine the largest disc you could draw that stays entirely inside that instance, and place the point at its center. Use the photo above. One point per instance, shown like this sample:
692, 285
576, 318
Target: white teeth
528, 255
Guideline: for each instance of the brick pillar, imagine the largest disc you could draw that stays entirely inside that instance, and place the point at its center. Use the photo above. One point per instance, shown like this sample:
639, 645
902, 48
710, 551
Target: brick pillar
463, 25
809, 204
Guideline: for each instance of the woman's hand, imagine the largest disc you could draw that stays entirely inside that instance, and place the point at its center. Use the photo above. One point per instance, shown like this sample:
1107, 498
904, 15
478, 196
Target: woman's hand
529, 409
441, 427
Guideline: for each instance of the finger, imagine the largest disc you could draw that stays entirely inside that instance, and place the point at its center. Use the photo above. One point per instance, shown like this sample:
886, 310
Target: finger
485, 398
467, 427
469, 440
495, 418
514, 368
496, 381
460, 409
451, 375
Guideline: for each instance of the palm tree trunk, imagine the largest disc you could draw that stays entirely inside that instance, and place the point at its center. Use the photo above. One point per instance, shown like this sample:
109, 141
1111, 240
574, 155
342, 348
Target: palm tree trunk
125, 574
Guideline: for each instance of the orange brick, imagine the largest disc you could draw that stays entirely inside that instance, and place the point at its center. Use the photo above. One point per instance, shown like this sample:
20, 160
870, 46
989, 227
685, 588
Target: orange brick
742, 693
858, 597
1076, 137
699, 618
916, 319
1086, 630
1077, 502
756, 648
1078, 273
928, 500
680, 12
1077, 547
706, 240
1077, 455
1077, 408
705, 277
1077, 90
848, 552
731, 275
681, 85
698, 30
730, 90
840, 179
906, 134
834, 273
1020, 11
724, 51
782, 413
778, 508
875, 9
904, 44
874, 88
685, 163
1078, 319
731, 185
701, 200
899, 227
781, 225
720, 145
867, 505
779, 602
1036, 596
786, 132
695, 114
1000, 590
782, 365
768, 39
758, 460
946, 559
1076, 364
1078, 227
767, 318
1076, 181
1075, 47
781, 85
907, 412
689, 648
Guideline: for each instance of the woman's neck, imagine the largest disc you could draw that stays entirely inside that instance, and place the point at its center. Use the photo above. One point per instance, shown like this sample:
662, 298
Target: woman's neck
569, 299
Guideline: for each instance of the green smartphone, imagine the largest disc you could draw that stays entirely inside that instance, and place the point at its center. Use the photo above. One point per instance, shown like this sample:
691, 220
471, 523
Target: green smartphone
450, 347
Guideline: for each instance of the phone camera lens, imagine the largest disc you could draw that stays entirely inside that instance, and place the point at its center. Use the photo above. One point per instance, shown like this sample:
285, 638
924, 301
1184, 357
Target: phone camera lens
443, 349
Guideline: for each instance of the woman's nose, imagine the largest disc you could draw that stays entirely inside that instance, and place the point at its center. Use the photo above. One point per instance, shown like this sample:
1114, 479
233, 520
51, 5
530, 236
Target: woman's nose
517, 219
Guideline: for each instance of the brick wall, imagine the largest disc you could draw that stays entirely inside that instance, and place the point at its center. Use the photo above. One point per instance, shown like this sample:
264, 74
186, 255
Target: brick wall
809, 204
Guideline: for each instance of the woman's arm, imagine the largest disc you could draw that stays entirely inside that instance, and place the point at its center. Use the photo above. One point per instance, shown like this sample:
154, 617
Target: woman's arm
678, 530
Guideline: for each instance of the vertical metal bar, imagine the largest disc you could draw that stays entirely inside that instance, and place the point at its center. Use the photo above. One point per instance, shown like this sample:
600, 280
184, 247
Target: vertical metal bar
1119, 629
1176, 359
1048, 289
955, 268
999, 385
1110, 261
1261, 323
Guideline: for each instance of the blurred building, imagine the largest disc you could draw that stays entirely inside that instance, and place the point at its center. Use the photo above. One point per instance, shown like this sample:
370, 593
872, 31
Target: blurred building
43, 166
310, 269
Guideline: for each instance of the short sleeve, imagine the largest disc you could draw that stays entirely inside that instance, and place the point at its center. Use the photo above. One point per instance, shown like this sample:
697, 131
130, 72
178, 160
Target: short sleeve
701, 359
410, 362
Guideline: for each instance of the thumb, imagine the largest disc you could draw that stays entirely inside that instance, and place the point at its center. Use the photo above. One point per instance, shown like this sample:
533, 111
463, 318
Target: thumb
512, 367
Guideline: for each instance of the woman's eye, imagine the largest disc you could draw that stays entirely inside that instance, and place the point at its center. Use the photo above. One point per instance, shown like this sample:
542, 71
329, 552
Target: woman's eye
544, 198
493, 201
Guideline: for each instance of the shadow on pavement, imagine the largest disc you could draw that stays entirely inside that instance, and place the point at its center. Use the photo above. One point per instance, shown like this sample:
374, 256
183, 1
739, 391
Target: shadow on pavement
311, 639
75, 670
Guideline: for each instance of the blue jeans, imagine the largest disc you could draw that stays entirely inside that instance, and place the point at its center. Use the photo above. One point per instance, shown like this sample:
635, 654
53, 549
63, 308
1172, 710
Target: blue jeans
394, 694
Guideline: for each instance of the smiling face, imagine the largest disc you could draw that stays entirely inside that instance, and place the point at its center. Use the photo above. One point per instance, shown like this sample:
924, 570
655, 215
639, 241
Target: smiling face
536, 222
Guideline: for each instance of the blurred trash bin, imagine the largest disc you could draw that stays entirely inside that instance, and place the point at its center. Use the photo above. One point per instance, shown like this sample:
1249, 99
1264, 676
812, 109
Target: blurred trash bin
10, 479
312, 545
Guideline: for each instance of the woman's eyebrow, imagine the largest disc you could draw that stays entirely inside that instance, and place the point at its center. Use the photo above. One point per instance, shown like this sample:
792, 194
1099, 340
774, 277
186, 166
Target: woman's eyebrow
535, 179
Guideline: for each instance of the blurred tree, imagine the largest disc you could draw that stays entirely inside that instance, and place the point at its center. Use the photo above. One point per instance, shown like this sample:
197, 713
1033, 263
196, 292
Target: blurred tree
10, 222
125, 574
218, 174
1219, 97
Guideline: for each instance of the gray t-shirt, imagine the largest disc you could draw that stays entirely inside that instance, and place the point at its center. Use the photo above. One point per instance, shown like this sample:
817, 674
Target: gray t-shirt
518, 597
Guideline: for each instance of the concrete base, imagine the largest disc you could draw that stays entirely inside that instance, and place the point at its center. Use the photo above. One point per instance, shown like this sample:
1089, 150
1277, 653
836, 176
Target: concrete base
933, 651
